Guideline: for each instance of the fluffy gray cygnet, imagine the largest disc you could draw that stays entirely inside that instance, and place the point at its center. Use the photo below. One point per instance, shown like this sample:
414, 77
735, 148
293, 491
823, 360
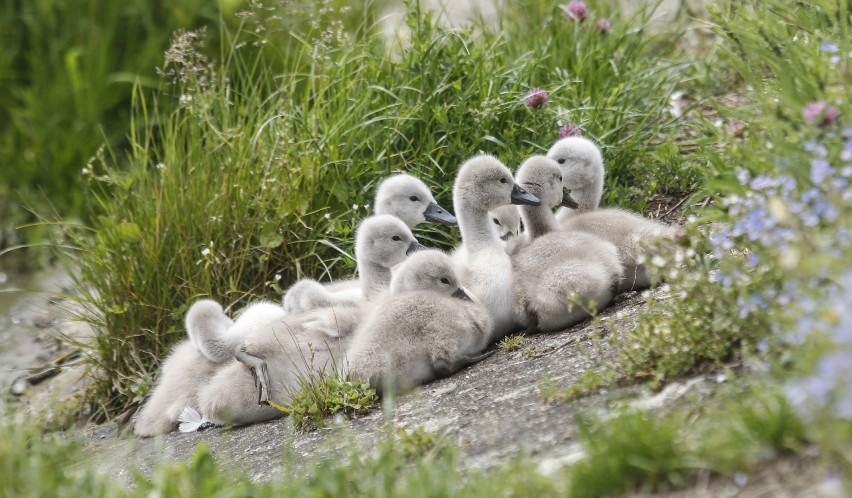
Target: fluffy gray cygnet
427, 328
559, 276
186, 369
403, 196
507, 220
484, 184
583, 172
279, 350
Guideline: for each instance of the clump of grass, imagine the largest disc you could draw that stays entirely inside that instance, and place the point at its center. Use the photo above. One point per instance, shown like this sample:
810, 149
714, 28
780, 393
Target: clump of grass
513, 342
741, 431
634, 451
418, 443
38, 464
653, 451
323, 394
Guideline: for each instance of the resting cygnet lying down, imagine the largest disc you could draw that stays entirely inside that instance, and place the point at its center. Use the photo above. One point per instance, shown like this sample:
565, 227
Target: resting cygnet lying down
427, 328
279, 348
403, 196
583, 173
185, 371
484, 184
556, 266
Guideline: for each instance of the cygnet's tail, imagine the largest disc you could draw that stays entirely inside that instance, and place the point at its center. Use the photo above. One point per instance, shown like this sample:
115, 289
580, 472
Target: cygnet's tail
207, 327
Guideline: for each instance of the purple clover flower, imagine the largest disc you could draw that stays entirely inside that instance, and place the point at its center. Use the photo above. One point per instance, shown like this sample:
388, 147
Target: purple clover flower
603, 25
576, 10
569, 130
820, 113
537, 97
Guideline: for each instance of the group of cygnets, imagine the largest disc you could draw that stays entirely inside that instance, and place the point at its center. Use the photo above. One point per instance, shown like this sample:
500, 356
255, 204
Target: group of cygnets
416, 314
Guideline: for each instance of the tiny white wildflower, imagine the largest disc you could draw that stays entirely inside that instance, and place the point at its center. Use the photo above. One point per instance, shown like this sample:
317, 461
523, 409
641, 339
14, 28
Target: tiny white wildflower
327, 216
355, 206
277, 276
205, 251
85, 171
161, 166
658, 260
185, 99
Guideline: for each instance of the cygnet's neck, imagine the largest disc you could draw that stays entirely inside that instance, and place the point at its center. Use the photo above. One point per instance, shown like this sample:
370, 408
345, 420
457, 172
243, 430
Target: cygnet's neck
476, 229
374, 278
538, 220
588, 198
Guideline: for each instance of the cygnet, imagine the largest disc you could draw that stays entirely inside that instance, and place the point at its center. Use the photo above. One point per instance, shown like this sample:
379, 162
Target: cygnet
583, 172
507, 220
484, 184
185, 370
560, 277
426, 329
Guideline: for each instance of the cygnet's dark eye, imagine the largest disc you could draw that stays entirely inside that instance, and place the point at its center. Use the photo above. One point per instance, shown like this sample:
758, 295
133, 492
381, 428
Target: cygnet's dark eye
445, 281
560, 178
496, 221
396, 237
561, 160
503, 180
414, 198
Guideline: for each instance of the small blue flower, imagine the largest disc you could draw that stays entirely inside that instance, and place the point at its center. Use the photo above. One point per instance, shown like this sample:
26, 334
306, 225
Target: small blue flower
752, 260
820, 170
828, 47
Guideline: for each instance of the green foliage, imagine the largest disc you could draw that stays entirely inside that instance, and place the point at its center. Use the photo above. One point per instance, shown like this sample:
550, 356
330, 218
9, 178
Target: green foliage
648, 452
634, 451
743, 430
37, 464
323, 394
419, 443
67, 72
219, 198
200, 477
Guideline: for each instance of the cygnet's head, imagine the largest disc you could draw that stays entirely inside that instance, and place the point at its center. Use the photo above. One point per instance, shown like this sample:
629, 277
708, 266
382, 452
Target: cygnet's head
410, 200
430, 270
582, 169
507, 221
542, 177
484, 183
384, 240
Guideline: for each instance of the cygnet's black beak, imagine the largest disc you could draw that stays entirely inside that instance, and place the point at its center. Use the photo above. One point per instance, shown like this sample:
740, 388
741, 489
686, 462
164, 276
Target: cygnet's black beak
461, 294
506, 236
414, 247
438, 214
521, 196
568, 201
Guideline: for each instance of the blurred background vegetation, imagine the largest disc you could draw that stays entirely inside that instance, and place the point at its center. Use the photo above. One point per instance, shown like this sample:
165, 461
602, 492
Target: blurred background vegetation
67, 75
